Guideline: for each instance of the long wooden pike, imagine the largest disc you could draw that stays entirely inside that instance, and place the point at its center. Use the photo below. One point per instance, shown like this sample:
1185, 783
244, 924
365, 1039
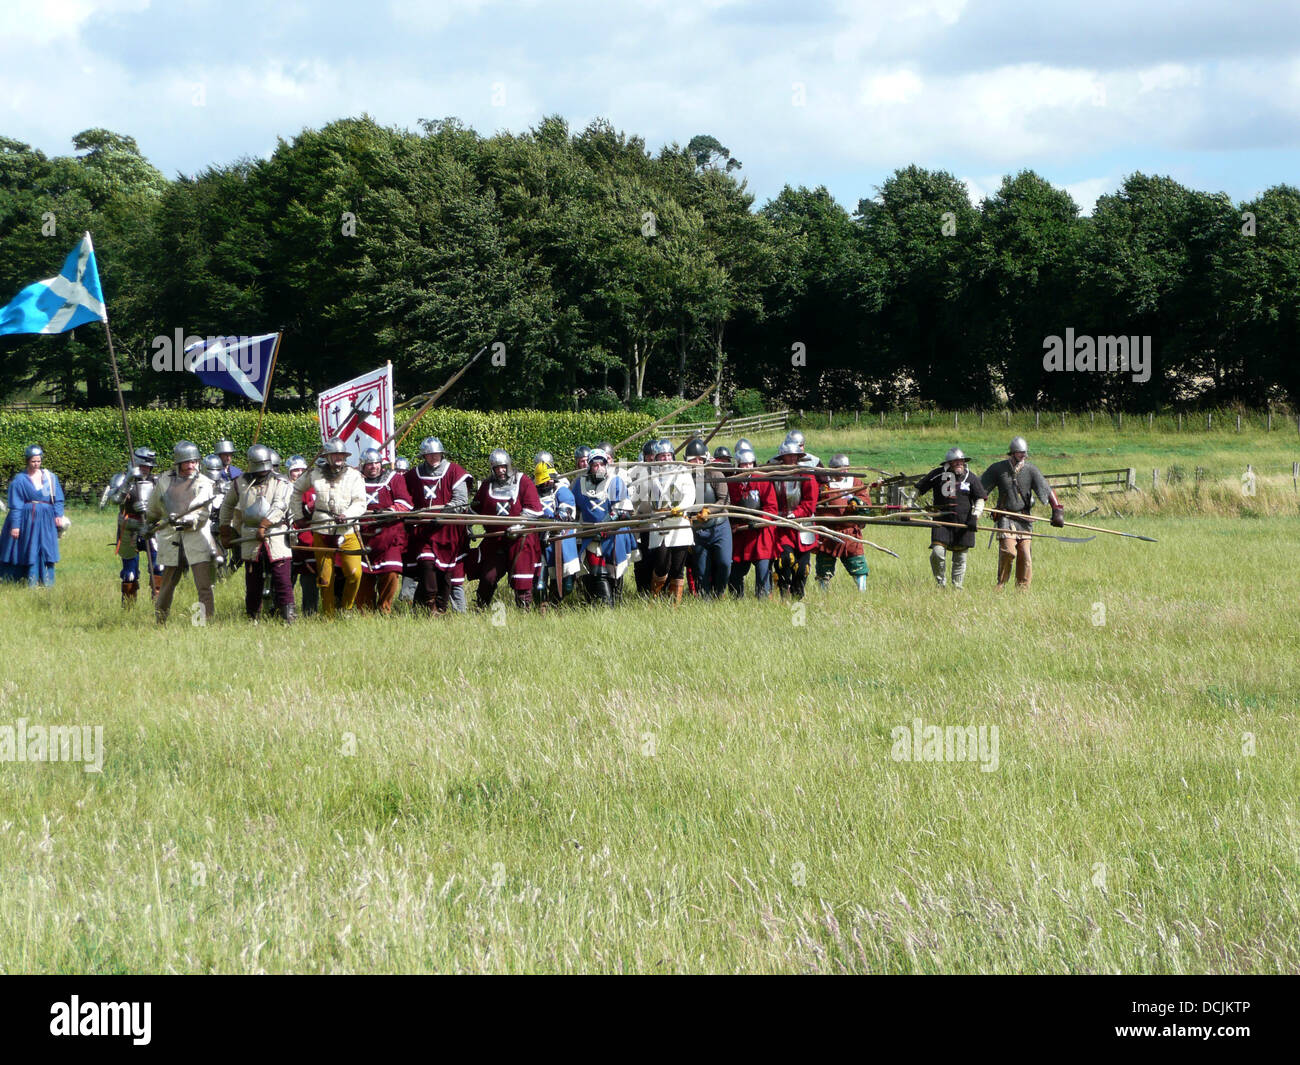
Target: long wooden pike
1072, 525
716, 429
763, 517
397, 437
655, 424
902, 522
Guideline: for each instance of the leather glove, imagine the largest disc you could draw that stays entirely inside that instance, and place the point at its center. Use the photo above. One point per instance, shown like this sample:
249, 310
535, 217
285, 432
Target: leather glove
227, 535
262, 526
1058, 517
972, 522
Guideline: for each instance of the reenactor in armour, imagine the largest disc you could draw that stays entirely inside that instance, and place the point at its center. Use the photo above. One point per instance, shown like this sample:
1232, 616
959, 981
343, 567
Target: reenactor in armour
1018, 482
960, 496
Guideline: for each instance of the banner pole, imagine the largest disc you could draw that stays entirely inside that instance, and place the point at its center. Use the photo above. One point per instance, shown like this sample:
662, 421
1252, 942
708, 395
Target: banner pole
121, 400
266, 389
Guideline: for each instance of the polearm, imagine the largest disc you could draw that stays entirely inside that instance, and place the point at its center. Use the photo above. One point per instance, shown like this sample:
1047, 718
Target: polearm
266, 387
397, 437
1072, 524
902, 521
716, 429
653, 425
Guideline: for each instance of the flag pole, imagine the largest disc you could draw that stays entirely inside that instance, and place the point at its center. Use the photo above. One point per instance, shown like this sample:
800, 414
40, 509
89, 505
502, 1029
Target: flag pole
121, 400
266, 389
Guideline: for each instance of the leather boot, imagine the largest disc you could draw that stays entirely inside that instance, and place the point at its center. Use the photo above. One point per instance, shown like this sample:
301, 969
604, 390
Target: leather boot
129, 590
675, 590
289, 614
657, 585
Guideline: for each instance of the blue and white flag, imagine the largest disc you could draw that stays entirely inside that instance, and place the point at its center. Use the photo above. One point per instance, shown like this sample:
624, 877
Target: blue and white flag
237, 364
60, 303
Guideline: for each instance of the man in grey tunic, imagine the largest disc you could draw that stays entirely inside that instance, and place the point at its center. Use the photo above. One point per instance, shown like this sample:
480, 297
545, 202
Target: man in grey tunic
1018, 483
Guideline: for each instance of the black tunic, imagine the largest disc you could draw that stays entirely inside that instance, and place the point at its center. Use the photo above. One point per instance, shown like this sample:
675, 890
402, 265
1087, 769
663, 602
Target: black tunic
955, 496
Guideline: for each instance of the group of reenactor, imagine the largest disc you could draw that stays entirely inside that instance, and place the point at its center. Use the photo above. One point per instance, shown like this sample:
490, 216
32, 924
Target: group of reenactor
363, 537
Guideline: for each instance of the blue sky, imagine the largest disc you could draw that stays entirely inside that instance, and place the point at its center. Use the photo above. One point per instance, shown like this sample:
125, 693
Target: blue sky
810, 92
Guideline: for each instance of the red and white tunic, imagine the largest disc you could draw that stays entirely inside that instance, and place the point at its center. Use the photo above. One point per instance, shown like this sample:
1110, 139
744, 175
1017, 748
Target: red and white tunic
751, 543
385, 540
795, 498
517, 498
444, 545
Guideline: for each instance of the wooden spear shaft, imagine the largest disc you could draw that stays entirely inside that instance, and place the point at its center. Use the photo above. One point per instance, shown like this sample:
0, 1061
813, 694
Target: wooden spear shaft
1072, 525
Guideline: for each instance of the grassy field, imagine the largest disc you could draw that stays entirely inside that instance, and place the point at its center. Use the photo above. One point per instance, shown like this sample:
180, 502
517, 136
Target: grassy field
714, 788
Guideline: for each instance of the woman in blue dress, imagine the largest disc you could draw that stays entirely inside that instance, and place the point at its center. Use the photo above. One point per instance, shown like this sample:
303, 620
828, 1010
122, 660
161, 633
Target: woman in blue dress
29, 541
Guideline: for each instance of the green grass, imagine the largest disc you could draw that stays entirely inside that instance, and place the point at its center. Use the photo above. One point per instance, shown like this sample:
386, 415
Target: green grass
658, 791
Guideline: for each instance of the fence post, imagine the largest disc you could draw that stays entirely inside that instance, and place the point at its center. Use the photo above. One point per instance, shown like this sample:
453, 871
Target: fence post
830, 419
882, 419
857, 417
981, 419
1295, 476
1062, 419
1238, 423
954, 419
1092, 419
1180, 421
1151, 419
1209, 419
1035, 419
1155, 480
904, 417
1120, 424
1270, 420
1297, 421
1132, 482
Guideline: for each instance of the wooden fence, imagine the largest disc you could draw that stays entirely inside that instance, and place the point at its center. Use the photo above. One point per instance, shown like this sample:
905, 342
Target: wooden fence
753, 423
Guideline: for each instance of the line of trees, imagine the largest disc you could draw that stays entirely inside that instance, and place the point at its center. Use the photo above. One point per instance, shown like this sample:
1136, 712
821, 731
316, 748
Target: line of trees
611, 274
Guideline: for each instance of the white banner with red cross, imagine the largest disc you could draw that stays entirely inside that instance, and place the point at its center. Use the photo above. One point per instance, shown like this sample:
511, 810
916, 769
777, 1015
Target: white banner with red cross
360, 413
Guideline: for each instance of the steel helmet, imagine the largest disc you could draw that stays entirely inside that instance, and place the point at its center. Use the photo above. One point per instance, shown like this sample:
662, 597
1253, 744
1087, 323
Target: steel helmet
745, 456
543, 473
259, 459
597, 455
371, 454
581, 452
696, 448
608, 448
795, 436
1018, 443
275, 459
145, 456
499, 457
544, 456
648, 450
431, 445
401, 464
839, 462
33, 450
721, 452
333, 446
790, 447
664, 446
297, 462
955, 454
744, 445
185, 451
224, 447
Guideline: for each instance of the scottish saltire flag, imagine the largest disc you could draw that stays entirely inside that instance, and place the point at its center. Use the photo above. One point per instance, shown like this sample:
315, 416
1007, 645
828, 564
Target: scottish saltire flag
360, 413
59, 303
237, 364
